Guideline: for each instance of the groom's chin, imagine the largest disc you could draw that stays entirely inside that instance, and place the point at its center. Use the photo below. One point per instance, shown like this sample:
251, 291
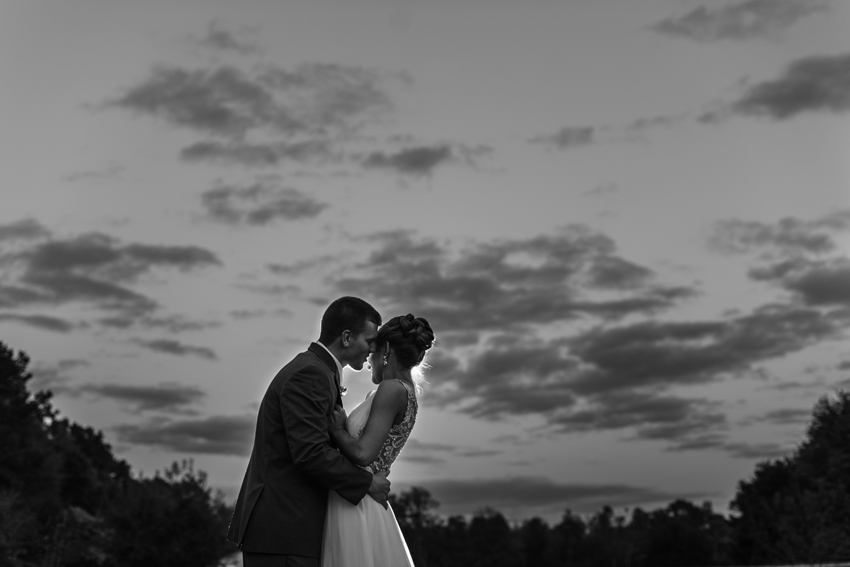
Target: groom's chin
357, 366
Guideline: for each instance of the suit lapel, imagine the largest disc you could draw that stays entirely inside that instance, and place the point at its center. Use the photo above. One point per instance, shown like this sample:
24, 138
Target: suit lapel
326, 357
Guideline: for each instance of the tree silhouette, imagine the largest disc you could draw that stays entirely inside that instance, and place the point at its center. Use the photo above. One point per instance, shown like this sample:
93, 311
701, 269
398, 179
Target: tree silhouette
65, 500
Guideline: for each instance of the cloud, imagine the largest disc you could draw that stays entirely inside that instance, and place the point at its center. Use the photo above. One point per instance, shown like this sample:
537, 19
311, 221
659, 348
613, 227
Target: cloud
237, 152
419, 161
654, 416
245, 314
108, 172
220, 435
221, 39
55, 377
298, 114
259, 204
519, 497
813, 84
171, 323
757, 450
167, 397
303, 266
504, 285
24, 229
742, 20
823, 285
169, 346
602, 190
568, 137
654, 353
788, 235
613, 378
794, 255
437, 453
91, 268
561, 328
269, 288
785, 416
45, 322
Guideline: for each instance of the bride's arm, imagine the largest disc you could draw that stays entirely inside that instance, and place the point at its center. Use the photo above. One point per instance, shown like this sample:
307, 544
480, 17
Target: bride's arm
390, 400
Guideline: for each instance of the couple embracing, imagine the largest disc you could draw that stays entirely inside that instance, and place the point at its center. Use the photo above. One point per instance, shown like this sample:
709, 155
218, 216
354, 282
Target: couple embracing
303, 500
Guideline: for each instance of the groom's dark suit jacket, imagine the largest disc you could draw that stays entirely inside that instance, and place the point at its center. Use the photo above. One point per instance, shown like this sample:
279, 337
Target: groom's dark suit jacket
281, 505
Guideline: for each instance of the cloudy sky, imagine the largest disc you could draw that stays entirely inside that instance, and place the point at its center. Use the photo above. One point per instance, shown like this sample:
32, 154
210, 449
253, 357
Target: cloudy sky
627, 220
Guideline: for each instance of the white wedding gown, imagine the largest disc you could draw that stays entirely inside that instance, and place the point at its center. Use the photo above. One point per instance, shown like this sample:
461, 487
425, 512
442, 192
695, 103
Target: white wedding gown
367, 535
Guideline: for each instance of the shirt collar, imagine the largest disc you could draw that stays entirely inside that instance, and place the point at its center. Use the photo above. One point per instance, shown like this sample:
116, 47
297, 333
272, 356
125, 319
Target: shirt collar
338, 365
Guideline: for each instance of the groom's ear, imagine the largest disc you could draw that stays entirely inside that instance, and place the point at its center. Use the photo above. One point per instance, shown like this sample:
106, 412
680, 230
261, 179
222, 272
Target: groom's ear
346, 338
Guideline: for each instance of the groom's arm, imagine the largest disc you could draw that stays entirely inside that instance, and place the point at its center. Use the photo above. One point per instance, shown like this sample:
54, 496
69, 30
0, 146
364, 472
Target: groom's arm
305, 400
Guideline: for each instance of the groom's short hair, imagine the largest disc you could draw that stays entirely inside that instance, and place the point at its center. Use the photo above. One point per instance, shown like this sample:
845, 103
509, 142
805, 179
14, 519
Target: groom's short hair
346, 314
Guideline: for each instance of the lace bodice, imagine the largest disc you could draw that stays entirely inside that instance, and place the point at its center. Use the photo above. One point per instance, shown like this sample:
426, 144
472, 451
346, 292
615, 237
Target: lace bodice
397, 436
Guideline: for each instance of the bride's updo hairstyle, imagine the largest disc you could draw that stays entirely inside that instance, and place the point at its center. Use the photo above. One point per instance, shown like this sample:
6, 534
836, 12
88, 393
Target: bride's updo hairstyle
410, 338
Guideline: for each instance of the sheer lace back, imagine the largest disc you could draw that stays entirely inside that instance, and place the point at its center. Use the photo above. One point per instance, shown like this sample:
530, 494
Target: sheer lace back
397, 436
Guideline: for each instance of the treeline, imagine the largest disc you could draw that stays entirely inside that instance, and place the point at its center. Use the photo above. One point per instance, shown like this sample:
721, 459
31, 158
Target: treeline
65, 500
794, 510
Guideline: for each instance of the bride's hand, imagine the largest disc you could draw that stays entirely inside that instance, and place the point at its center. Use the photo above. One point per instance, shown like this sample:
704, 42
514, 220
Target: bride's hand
337, 423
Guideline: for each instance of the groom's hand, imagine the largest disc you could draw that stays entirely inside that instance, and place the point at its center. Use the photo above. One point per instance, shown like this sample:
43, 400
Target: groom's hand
337, 420
380, 489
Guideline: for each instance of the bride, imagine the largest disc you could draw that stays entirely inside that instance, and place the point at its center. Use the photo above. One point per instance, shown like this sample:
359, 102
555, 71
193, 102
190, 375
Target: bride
372, 437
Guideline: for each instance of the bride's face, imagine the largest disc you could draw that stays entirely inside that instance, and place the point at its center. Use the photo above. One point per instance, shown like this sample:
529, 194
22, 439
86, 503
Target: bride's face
376, 365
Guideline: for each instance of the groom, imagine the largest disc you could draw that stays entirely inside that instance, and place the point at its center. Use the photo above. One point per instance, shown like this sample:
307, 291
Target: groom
280, 513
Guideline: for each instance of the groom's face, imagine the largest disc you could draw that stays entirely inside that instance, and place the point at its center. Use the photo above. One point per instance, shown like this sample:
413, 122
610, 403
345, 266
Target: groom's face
361, 346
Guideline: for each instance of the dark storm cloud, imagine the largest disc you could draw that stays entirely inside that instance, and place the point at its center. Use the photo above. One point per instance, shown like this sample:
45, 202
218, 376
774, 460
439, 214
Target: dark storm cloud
45, 322
302, 111
92, 268
420, 161
539, 495
221, 39
24, 229
812, 84
169, 346
743, 20
259, 204
220, 435
168, 397
565, 138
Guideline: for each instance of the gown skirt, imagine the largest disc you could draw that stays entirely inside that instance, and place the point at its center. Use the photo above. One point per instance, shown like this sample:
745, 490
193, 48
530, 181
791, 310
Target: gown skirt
365, 535
362, 535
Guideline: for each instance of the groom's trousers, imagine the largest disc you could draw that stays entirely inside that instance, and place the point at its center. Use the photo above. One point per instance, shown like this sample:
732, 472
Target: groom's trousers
250, 559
